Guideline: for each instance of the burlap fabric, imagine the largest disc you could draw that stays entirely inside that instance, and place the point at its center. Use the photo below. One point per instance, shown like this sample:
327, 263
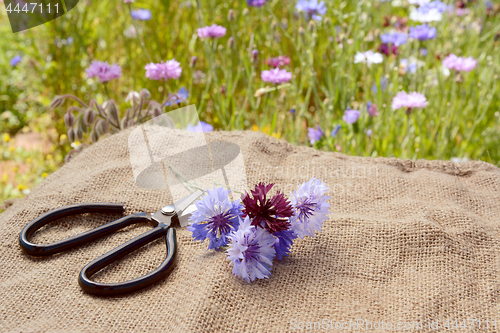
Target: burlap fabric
407, 242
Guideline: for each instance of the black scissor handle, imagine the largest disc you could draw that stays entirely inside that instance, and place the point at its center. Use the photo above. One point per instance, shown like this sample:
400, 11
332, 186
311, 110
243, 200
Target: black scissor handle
80, 239
115, 289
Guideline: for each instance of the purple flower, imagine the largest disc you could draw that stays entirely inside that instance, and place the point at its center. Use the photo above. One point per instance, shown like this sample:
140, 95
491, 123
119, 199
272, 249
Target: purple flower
460, 64
310, 207
283, 242
200, 127
14, 61
170, 69
335, 130
213, 31
251, 251
277, 76
351, 116
278, 61
368, 132
423, 51
422, 32
178, 98
394, 38
292, 112
408, 66
103, 71
312, 9
388, 50
215, 218
141, 14
371, 109
255, 55
269, 213
315, 134
256, 3
411, 100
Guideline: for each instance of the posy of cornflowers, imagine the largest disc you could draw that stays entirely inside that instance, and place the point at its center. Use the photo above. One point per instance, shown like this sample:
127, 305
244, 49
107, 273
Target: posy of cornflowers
259, 228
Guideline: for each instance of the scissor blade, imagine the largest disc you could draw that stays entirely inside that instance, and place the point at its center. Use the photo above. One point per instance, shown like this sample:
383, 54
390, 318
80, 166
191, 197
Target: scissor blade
182, 204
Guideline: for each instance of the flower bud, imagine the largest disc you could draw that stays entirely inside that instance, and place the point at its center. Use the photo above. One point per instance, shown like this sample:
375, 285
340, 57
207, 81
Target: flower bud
301, 31
274, 24
245, 12
284, 23
230, 15
192, 63
145, 94
56, 102
78, 133
71, 135
310, 26
69, 119
102, 126
260, 92
88, 116
255, 55
112, 113
94, 136
123, 123
157, 112
230, 42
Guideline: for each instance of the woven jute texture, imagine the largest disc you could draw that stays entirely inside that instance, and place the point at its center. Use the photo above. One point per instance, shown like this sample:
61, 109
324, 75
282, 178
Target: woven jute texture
411, 242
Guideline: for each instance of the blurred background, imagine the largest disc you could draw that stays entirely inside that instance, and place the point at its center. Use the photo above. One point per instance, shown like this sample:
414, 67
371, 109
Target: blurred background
331, 94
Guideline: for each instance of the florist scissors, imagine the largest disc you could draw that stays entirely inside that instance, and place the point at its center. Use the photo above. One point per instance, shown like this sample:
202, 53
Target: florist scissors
161, 220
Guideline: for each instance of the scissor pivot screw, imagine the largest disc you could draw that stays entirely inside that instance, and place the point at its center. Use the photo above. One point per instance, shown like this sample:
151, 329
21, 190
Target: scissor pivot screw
168, 210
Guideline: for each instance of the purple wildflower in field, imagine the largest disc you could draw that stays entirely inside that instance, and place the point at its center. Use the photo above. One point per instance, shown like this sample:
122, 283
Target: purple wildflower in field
368, 57
141, 14
395, 38
460, 64
388, 49
256, 3
255, 55
351, 116
251, 251
423, 51
103, 71
408, 66
277, 76
215, 218
14, 61
429, 12
283, 243
170, 69
411, 100
368, 132
310, 204
178, 98
315, 134
371, 109
292, 112
212, 31
278, 61
312, 9
422, 32
200, 127
335, 130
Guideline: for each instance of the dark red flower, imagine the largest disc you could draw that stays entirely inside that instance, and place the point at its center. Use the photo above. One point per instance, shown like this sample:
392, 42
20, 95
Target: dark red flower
388, 49
271, 214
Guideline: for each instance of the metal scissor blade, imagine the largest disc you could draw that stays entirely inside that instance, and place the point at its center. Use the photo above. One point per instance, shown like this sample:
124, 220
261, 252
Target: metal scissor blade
182, 204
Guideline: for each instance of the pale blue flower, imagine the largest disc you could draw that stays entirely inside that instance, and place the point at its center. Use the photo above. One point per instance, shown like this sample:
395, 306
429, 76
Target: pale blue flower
311, 207
215, 218
14, 61
283, 242
336, 130
180, 97
315, 134
200, 127
312, 8
141, 14
251, 251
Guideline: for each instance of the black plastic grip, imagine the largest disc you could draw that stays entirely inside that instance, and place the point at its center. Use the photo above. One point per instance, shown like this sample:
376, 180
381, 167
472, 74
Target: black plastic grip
115, 289
80, 239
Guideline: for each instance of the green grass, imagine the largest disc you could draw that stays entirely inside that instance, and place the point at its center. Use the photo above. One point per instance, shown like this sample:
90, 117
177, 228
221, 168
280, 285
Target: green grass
461, 120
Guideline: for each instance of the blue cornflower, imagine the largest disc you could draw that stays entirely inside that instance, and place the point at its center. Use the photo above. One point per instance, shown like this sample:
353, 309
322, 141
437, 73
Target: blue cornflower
251, 251
283, 242
178, 98
422, 32
141, 14
315, 134
423, 51
336, 130
256, 3
14, 61
215, 218
394, 38
312, 9
311, 207
292, 112
408, 66
200, 127
70, 40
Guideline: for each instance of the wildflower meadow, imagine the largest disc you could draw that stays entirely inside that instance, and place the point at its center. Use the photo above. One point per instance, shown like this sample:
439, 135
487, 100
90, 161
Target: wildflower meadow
412, 79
